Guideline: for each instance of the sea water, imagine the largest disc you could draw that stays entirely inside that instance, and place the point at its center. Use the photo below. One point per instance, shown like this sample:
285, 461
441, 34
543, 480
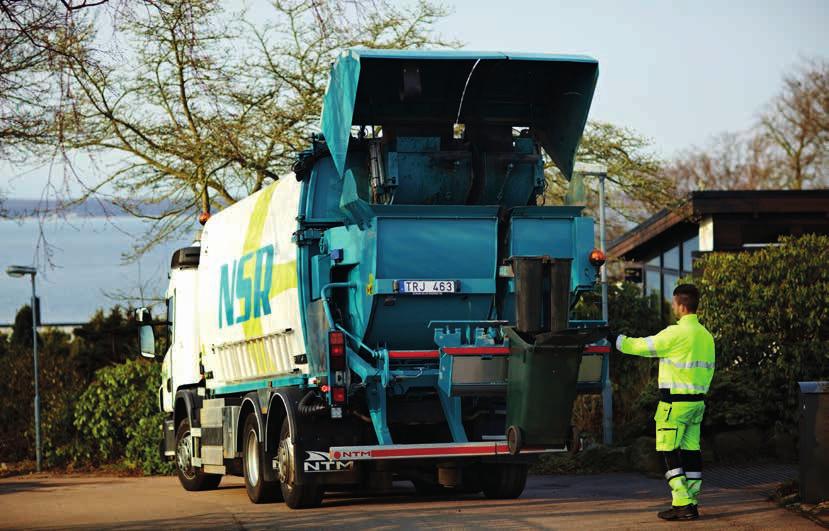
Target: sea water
87, 270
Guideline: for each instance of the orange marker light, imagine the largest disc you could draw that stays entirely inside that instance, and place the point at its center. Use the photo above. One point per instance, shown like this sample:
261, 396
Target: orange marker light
597, 257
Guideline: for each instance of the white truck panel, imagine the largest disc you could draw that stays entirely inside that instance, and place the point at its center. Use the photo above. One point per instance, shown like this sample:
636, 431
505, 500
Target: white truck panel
249, 303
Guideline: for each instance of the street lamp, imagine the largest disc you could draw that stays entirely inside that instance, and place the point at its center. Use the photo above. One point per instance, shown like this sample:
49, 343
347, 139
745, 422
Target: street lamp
20, 271
600, 171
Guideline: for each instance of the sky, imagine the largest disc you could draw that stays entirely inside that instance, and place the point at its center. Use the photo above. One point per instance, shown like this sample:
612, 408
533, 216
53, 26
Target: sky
676, 72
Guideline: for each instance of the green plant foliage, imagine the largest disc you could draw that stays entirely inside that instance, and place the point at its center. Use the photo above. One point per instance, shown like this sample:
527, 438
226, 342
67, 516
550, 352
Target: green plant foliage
117, 416
59, 385
769, 313
107, 338
142, 451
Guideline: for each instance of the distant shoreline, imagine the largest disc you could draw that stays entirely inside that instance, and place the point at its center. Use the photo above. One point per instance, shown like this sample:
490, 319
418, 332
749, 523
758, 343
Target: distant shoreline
91, 208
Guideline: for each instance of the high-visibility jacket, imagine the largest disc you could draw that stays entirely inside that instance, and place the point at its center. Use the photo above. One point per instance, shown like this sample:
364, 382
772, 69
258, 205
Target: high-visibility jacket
685, 351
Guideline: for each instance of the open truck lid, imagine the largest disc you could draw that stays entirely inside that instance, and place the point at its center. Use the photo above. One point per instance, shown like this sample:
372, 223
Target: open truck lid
549, 94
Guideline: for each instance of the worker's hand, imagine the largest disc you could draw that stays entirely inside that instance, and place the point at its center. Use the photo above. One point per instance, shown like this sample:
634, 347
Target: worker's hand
611, 337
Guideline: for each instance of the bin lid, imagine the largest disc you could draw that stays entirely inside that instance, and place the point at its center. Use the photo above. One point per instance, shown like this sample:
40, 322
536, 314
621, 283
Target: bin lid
813, 387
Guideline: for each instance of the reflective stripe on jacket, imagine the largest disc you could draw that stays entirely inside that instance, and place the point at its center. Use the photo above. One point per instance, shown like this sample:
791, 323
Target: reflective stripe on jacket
685, 351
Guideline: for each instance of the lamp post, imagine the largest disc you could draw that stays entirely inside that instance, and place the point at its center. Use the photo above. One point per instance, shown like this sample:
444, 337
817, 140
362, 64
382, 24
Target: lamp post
19, 271
600, 171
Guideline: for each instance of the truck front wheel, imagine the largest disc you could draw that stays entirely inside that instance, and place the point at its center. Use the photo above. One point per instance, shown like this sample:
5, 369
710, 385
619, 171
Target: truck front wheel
191, 477
259, 490
295, 496
504, 481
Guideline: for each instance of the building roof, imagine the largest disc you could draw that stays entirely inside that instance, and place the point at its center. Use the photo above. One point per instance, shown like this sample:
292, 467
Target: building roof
665, 223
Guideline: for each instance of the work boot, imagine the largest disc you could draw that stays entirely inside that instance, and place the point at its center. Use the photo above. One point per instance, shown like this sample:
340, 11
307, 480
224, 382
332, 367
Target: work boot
686, 512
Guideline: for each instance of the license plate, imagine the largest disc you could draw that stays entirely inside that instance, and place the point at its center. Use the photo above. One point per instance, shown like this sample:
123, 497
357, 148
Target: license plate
426, 287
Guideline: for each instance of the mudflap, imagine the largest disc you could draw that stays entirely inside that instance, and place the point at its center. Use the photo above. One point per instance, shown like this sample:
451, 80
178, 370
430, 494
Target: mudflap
316, 435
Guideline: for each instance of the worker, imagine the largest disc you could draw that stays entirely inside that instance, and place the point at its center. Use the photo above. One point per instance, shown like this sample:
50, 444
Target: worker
686, 366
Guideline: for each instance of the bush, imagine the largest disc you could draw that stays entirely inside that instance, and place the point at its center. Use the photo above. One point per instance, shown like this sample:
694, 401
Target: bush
769, 313
60, 385
142, 452
67, 365
117, 417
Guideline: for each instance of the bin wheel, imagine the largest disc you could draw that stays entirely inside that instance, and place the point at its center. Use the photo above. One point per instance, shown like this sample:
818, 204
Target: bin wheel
514, 440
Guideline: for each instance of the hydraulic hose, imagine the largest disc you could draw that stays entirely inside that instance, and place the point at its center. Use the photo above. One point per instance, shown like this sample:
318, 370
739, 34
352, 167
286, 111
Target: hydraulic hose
307, 408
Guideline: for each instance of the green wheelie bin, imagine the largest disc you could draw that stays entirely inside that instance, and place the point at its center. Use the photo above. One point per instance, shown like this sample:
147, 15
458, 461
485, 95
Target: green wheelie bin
541, 389
544, 354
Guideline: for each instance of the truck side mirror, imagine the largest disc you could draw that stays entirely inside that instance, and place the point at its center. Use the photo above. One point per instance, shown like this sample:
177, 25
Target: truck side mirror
142, 315
147, 341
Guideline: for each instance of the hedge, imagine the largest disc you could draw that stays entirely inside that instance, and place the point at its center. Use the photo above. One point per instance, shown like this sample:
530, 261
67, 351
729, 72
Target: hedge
769, 313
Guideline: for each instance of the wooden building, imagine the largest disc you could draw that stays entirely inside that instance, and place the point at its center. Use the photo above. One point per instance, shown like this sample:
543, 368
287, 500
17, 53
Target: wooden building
663, 247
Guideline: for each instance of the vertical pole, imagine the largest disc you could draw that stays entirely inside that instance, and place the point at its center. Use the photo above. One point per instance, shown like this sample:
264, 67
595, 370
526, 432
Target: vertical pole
607, 390
36, 372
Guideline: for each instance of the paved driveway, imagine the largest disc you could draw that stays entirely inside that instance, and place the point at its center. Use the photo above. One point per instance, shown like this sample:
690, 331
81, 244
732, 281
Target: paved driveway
570, 502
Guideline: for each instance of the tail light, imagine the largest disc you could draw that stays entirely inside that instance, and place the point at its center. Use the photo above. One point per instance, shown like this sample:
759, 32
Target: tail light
336, 351
338, 395
597, 257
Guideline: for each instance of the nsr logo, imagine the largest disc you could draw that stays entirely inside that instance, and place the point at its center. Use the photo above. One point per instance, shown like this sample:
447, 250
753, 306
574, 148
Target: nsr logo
321, 462
237, 284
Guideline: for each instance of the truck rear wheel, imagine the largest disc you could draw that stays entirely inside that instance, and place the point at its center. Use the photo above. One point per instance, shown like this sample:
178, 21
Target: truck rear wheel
295, 496
191, 477
254, 462
504, 481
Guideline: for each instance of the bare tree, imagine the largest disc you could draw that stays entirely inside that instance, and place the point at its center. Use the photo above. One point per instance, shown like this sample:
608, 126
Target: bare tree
730, 161
204, 106
635, 185
787, 149
27, 86
797, 126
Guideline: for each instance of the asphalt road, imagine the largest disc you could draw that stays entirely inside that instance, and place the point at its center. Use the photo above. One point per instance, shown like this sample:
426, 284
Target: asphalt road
586, 502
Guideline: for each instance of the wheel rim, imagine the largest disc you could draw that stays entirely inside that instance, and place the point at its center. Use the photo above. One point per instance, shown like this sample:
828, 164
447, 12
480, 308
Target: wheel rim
184, 457
284, 461
252, 458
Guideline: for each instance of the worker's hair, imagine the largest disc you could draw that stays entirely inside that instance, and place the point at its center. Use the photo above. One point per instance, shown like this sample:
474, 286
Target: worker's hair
688, 296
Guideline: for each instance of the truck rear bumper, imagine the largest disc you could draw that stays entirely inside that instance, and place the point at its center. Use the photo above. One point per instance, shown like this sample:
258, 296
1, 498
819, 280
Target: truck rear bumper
429, 451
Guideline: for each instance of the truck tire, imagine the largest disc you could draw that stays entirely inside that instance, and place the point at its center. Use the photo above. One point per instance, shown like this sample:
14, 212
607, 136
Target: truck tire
253, 465
295, 496
191, 478
504, 481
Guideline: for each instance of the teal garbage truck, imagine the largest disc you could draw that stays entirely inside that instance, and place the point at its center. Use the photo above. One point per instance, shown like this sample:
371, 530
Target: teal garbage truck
360, 320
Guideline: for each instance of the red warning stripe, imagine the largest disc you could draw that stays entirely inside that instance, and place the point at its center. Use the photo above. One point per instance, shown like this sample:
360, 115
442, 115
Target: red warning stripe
597, 349
476, 351
413, 354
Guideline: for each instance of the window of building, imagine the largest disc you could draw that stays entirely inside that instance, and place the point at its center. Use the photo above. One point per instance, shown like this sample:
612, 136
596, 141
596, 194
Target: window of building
688, 247
652, 281
670, 280
670, 260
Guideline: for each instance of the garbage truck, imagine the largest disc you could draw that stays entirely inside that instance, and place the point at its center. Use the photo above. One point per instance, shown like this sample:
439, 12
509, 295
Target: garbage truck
398, 308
